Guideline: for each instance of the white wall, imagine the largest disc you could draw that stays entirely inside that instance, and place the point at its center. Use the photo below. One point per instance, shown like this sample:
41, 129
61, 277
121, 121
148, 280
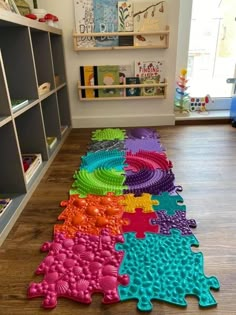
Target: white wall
123, 112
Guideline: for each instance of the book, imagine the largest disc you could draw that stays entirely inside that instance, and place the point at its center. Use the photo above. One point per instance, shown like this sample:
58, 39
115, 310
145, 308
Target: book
125, 16
108, 75
4, 204
124, 72
87, 78
105, 20
149, 16
84, 22
31, 162
150, 69
126, 40
151, 90
51, 141
133, 91
18, 103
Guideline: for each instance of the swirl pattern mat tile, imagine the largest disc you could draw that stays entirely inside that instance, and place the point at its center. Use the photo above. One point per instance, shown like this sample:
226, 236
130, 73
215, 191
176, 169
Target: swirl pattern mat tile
124, 231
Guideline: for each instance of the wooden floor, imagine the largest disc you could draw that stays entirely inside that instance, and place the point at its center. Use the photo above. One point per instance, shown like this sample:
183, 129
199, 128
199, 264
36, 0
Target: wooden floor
204, 159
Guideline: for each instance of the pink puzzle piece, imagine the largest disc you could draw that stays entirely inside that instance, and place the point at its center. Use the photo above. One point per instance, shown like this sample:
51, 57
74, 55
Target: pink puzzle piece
139, 222
77, 267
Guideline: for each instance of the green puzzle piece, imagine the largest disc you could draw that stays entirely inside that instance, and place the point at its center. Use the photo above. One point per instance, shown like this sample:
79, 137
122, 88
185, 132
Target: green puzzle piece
109, 134
99, 182
164, 268
169, 203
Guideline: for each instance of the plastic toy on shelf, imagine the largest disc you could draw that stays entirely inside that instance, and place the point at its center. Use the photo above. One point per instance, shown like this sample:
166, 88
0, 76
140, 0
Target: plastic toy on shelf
199, 104
182, 99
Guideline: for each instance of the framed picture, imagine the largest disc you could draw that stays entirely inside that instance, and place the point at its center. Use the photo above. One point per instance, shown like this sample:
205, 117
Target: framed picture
13, 6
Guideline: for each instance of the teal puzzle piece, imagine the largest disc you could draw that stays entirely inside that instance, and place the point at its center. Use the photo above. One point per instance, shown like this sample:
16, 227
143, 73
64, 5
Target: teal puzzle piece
169, 203
164, 268
105, 159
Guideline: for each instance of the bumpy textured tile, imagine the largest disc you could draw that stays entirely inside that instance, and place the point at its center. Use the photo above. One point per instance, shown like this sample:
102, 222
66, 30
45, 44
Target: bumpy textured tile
91, 214
169, 203
76, 268
153, 182
177, 221
164, 268
135, 145
104, 159
145, 202
109, 134
147, 160
99, 182
142, 133
139, 222
108, 145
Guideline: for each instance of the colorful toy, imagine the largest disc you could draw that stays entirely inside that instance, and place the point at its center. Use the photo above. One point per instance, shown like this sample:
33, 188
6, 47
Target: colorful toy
125, 232
198, 104
182, 99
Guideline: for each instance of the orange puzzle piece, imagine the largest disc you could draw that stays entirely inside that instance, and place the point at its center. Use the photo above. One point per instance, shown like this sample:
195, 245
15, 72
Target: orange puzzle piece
91, 214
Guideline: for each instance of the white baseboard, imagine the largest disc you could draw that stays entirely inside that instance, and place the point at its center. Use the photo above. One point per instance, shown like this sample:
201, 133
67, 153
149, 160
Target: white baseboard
123, 121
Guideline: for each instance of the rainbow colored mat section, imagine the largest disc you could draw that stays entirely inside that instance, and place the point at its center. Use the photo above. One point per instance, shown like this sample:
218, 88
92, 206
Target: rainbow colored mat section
125, 231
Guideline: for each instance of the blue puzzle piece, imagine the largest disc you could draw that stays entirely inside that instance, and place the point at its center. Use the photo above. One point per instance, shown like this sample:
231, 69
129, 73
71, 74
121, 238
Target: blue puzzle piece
164, 268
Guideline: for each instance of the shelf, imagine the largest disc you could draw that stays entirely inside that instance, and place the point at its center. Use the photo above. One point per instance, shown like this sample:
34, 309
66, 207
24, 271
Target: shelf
123, 86
5, 120
164, 33
31, 54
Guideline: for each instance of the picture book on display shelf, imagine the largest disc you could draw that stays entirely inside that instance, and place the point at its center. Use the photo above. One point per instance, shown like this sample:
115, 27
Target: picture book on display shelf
149, 72
132, 91
108, 75
4, 204
125, 22
84, 22
149, 16
124, 72
105, 20
87, 79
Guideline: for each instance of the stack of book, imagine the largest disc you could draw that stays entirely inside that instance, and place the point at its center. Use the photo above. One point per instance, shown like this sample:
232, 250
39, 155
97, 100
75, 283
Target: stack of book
4, 204
51, 141
31, 163
18, 103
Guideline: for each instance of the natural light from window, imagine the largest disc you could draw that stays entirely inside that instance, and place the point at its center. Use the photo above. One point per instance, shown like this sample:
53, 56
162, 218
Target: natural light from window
212, 48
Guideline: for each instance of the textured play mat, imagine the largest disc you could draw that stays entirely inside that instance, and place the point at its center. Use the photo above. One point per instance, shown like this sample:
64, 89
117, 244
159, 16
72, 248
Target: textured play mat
124, 230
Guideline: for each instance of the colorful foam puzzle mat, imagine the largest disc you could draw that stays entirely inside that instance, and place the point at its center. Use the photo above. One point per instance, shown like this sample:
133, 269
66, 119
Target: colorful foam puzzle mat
124, 230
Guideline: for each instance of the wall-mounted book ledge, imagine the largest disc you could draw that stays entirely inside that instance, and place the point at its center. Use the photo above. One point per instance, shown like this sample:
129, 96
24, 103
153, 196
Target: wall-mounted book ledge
126, 40
125, 91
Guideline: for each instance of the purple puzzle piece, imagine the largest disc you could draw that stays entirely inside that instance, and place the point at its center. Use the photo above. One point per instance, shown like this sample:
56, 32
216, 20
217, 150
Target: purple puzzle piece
77, 267
135, 145
177, 221
142, 133
153, 182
